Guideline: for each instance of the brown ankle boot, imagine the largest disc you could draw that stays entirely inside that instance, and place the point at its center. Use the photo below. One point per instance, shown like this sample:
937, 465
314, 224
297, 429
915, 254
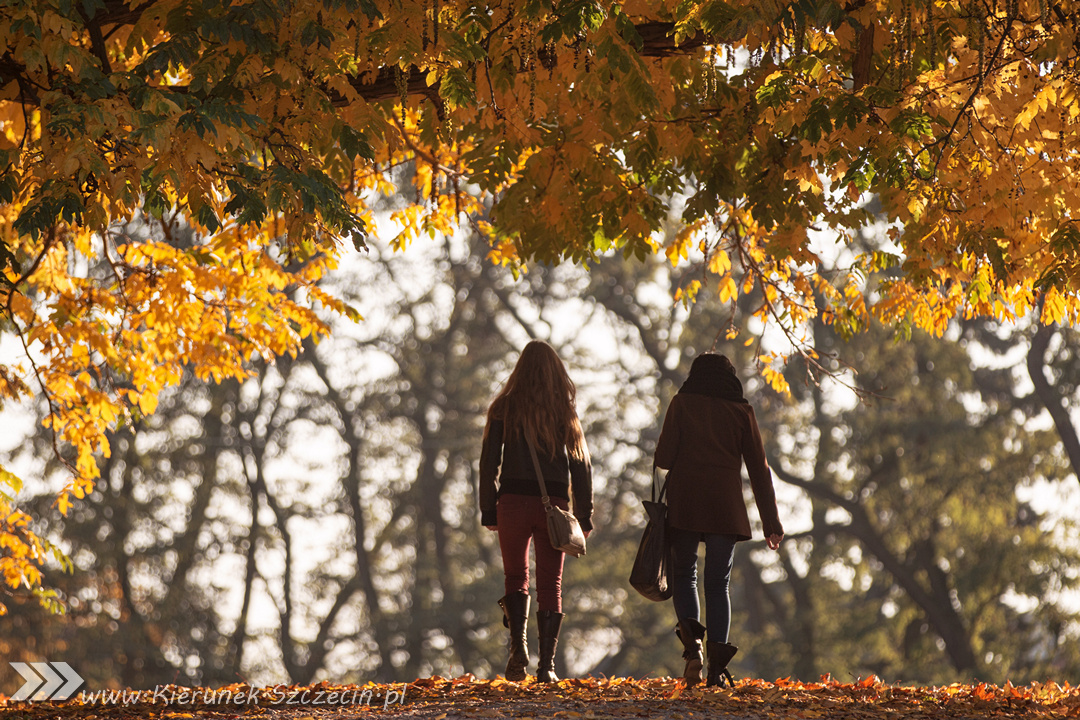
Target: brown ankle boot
691, 632
720, 655
515, 607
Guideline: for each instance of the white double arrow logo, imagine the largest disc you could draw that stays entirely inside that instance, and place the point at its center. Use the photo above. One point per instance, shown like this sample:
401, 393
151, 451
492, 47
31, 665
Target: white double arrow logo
45, 683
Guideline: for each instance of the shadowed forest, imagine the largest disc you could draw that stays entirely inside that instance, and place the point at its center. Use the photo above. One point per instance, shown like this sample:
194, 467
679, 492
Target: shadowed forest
319, 520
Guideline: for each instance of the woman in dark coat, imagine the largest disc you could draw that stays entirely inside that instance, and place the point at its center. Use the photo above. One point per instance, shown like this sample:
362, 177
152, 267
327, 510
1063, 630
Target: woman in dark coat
709, 432
537, 403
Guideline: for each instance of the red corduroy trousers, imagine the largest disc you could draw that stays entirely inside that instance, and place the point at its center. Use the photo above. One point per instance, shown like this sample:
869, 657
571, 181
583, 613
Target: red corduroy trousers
521, 520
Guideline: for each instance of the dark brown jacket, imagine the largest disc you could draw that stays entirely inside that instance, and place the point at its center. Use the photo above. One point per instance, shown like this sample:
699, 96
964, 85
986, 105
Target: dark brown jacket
703, 445
507, 468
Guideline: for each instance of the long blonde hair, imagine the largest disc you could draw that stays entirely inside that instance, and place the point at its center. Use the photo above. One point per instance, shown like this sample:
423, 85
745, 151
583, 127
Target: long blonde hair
540, 400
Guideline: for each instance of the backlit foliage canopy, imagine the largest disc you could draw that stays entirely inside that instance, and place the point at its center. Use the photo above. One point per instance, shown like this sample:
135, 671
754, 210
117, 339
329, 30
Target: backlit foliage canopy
249, 139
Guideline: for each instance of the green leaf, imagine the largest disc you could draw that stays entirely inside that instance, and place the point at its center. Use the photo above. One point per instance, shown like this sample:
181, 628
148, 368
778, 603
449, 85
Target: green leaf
776, 92
196, 120
457, 89
312, 33
860, 173
46, 209
724, 22
629, 32
9, 186
205, 216
90, 8
818, 121
849, 109
913, 124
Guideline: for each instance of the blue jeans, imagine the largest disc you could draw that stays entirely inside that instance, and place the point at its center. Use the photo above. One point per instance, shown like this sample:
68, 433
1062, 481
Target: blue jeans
719, 554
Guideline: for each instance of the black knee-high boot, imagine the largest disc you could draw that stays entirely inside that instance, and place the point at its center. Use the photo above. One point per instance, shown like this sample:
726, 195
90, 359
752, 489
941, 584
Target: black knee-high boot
691, 632
515, 607
549, 623
720, 655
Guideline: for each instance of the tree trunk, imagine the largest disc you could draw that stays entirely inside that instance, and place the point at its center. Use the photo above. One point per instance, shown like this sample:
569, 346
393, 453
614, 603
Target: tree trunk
1036, 363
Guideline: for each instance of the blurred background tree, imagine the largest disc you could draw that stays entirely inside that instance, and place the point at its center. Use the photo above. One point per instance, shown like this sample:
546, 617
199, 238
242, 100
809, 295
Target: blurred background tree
318, 520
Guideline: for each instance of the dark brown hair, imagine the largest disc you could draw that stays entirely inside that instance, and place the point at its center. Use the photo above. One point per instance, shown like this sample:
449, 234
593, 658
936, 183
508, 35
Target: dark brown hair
539, 400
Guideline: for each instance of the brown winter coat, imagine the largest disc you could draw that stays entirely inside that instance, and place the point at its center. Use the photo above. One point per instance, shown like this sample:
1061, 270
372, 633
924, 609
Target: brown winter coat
704, 443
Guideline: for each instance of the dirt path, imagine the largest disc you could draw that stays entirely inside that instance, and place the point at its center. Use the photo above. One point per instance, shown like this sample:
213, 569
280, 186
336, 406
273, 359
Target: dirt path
580, 699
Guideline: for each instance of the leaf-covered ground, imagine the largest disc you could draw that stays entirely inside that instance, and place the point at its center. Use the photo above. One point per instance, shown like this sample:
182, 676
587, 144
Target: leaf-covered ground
588, 699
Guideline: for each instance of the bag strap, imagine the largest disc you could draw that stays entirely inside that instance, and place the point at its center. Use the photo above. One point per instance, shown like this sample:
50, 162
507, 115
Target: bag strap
652, 487
539, 475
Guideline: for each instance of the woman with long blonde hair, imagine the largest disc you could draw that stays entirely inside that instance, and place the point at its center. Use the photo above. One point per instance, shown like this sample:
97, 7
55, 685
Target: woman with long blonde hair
537, 405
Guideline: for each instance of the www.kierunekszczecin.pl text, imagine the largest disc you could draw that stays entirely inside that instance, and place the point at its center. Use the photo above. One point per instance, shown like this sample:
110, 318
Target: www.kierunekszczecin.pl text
276, 695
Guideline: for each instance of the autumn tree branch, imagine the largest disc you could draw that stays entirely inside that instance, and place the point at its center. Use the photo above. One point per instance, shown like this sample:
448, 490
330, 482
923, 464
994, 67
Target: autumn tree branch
657, 41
